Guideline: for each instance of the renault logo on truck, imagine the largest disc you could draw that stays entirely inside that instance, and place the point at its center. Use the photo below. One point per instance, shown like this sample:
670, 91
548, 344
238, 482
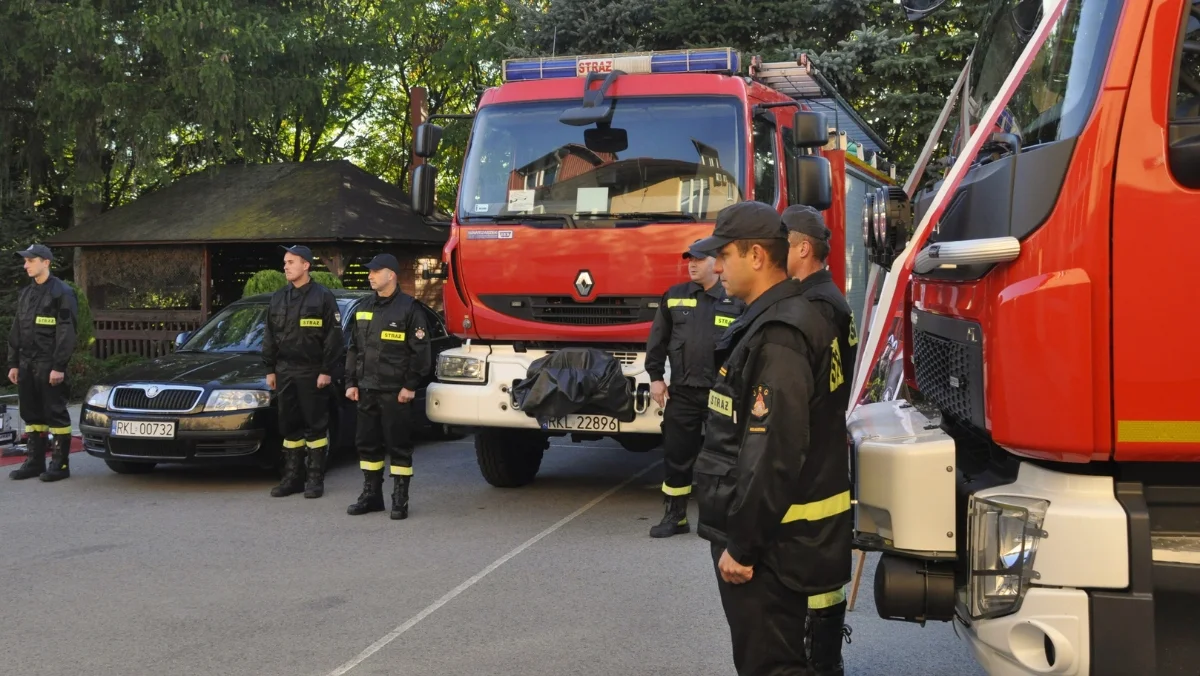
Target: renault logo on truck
584, 283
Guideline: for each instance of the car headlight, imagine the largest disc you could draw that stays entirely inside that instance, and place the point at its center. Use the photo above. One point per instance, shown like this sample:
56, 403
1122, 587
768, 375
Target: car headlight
1003, 536
97, 396
466, 369
237, 400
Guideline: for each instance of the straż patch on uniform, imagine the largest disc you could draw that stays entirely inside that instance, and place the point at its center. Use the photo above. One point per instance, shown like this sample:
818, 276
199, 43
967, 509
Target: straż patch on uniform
762, 401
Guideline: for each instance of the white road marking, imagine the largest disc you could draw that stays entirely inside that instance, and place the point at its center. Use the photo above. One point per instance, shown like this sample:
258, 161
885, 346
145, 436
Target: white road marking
412, 622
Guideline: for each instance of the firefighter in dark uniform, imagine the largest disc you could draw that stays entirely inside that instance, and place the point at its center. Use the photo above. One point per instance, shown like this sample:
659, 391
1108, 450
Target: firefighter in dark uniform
302, 348
388, 359
690, 319
808, 251
40, 344
772, 481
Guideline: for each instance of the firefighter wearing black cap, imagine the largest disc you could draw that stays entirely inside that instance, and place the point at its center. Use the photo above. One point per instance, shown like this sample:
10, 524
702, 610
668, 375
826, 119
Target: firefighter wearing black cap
40, 344
690, 319
808, 251
302, 348
388, 359
772, 481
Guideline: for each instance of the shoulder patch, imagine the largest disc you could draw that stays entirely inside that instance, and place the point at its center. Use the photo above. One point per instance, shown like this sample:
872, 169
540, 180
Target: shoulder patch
762, 404
419, 333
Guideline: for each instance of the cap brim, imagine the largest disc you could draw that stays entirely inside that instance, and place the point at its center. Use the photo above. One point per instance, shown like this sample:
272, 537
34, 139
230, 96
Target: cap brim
710, 246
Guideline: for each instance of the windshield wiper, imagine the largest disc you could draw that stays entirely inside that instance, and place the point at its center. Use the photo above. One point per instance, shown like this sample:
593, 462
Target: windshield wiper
566, 220
665, 217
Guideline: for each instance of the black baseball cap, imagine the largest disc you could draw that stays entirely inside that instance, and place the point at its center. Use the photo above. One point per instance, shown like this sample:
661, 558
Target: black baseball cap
299, 250
384, 261
806, 220
744, 220
692, 252
36, 251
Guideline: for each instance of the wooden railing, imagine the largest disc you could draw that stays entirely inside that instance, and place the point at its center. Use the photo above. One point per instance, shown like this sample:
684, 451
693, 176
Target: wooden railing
149, 333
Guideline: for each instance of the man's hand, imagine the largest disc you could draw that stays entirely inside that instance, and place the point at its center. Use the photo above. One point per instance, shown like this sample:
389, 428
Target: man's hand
732, 571
323, 381
658, 392
352, 393
56, 377
270, 381
12, 376
407, 396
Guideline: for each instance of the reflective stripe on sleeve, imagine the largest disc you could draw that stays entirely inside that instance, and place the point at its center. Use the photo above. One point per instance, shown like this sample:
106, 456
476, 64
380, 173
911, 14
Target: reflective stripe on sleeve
821, 509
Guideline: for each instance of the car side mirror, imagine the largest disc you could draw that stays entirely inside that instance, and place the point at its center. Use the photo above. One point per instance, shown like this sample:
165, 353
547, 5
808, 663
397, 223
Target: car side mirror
429, 137
814, 183
424, 184
809, 130
182, 338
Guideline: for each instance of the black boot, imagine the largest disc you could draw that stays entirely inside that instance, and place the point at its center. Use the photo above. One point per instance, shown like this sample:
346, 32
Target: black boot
293, 473
826, 630
35, 458
315, 486
60, 463
674, 521
371, 499
400, 497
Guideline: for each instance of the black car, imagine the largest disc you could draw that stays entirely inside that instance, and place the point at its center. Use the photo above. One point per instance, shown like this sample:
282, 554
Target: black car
208, 402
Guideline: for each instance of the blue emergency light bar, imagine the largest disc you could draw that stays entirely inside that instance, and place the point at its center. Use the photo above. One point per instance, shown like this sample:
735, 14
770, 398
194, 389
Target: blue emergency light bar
721, 60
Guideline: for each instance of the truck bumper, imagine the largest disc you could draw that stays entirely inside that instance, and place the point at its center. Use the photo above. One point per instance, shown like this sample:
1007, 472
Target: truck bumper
490, 403
1048, 635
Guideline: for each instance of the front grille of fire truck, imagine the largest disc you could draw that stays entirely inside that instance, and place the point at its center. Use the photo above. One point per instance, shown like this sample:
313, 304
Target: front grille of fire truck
603, 311
948, 363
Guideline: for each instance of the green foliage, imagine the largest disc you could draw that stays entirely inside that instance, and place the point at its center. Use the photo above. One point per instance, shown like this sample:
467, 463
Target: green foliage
264, 281
85, 328
327, 280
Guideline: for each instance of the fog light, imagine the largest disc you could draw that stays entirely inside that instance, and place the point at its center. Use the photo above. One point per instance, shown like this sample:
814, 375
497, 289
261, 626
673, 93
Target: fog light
1003, 536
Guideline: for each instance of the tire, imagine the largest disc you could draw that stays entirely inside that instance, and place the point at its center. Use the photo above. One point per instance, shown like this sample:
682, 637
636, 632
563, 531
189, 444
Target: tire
122, 467
509, 458
640, 443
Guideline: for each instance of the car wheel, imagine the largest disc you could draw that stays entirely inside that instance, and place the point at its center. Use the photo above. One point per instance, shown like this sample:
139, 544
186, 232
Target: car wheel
509, 458
640, 443
122, 467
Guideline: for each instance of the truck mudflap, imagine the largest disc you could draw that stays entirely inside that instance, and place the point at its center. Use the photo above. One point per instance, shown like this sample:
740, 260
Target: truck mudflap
575, 380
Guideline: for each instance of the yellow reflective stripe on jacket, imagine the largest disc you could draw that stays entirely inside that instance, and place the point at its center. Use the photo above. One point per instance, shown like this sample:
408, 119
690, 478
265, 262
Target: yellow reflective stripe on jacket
392, 335
312, 323
370, 466
675, 492
293, 443
59, 430
364, 316
37, 428
821, 509
681, 302
46, 321
827, 600
397, 470
319, 443
723, 320
720, 403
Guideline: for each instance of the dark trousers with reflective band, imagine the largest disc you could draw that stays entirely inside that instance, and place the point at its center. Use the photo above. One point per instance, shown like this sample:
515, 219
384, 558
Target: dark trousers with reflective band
766, 623
683, 435
384, 428
303, 409
43, 406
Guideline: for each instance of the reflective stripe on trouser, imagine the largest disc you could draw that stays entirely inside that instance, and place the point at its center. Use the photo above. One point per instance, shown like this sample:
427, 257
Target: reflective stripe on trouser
43, 407
59, 430
303, 408
683, 435
827, 600
384, 431
397, 470
371, 466
821, 509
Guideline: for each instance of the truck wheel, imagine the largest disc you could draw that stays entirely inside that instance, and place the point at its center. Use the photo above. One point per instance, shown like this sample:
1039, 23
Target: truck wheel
130, 467
509, 458
640, 443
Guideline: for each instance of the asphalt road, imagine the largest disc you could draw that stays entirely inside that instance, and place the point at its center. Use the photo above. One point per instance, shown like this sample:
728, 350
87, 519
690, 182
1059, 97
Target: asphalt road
190, 572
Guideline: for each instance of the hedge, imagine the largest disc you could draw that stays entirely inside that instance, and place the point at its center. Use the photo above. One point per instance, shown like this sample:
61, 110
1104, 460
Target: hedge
270, 281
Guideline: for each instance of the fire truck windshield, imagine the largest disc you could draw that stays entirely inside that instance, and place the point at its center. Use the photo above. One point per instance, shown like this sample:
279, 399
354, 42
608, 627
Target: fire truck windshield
674, 159
1055, 99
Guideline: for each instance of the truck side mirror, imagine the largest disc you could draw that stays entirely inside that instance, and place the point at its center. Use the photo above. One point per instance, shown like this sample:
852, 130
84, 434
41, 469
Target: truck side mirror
919, 9
814, 185
424, 185
809, 130
429, 137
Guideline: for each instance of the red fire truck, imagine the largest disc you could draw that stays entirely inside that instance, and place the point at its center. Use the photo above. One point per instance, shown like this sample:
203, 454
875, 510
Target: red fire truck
585, 179
1041, 488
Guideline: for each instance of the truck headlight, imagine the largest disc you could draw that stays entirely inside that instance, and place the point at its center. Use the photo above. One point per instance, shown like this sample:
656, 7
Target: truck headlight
97, 396
1003, 534
465, 369
237, 400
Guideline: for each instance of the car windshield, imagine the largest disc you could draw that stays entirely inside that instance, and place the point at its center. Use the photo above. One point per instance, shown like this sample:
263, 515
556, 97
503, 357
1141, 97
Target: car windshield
238, 328
1055, 98
666, 158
